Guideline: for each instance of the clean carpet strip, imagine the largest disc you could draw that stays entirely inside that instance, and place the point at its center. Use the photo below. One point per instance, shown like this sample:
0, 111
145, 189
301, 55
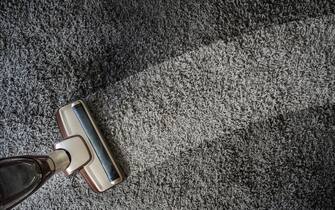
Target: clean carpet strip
219, 88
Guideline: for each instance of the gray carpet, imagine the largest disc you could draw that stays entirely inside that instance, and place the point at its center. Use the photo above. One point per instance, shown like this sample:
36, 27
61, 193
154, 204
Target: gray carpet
218, 105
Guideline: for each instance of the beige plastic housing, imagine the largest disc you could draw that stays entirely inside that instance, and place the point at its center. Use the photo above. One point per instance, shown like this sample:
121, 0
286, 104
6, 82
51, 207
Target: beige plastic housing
89, 165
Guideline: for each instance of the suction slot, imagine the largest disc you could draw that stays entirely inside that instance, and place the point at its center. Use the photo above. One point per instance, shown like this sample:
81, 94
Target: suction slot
95, 141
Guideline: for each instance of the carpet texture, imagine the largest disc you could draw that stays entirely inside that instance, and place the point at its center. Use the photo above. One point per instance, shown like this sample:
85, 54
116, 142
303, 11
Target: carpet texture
205, 104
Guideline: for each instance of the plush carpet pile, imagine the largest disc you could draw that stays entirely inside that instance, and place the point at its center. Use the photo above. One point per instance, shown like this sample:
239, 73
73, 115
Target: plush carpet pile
206, 104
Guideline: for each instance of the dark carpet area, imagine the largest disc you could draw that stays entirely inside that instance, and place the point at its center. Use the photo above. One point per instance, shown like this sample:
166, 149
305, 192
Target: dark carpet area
205, 104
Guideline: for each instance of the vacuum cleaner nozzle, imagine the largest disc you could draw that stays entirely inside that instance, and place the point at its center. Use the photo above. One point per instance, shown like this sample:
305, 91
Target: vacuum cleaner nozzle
87, 148
83, 149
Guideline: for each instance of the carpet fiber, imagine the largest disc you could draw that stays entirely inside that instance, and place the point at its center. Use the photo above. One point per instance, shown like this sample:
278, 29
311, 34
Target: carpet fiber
205, 104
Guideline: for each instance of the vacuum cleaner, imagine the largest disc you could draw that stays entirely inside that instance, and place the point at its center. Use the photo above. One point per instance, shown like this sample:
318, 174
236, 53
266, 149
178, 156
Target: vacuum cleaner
83, 149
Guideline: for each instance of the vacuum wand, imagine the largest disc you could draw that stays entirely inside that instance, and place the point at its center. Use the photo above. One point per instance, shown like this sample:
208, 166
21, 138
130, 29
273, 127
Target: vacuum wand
83, 149
21, 176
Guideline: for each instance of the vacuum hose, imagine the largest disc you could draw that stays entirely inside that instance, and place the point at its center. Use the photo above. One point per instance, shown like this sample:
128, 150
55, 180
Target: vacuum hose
21, 176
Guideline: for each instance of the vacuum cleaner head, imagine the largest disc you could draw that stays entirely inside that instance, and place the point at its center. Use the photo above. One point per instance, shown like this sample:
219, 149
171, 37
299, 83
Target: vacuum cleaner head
87, 148
83, 149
